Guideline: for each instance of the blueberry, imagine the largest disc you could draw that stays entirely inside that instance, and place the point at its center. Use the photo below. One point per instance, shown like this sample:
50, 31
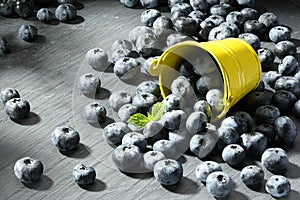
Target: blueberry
227, 135
147, 64
162, 25
28, 169
285, 129
237, 123
216, 19
261, 86
266, 114
246, 3
17, 108
23, 8
134, 138
121, 44
279, 33
131, 3
171, 3
254, 143
126, 111
120, 53
244, 116
186, 25
233, 154
8, 94
219, 184
203, 144
229, 2
278, 186
97, 58
118, 99
205, 168
139, 30
149, 16
296, 109
252, 175
220, 33
45, 15
269, 19
181, 139
168, 171
126, 68
196, 122
167, 147
197, 15
200, 5
173, 102
203, 106
205, 28
65, 138
212, 2
147, 45
182, 86
114, 133
215, 99
144, 101
28, 33
221, 10
151, 158
251, 39
237, 18
204, 65
154, 131
182, 6
235, 29
174, 119
175, 38
288, 83
89, 84
7, 7
127, 158
84, 175
297, 75
271, 77
150, 3
148, 87
66, 1
284, 101
266, 58
250, 13
288, 65
66, 12
4, 46
256, 99
267, 130
284, 48
185, 68
275, 160
94, 113
255, 27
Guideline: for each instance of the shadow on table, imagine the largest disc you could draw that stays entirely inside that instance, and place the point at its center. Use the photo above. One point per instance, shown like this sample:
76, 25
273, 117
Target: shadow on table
77, 20
41, 39
97, 186
81, 151
293, 171
259, 188
43, 184
293, 195
30, 120
108, 121
103, 93
185, 186
145, 175
234, 195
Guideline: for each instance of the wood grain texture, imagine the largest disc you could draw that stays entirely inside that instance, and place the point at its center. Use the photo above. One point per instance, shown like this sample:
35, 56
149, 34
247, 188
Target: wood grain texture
45, 73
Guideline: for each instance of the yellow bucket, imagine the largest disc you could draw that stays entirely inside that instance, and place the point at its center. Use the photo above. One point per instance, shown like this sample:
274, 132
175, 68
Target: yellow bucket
237, 61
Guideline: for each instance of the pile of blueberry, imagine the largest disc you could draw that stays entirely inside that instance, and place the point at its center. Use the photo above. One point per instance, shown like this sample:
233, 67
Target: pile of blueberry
65, 11
153, 132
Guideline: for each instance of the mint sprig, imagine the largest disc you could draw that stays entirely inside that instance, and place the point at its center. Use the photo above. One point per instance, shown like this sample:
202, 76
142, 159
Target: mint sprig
140, 120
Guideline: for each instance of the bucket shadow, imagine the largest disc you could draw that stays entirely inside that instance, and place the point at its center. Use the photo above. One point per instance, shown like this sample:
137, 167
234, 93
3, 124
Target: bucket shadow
31, 119
41, 185
185, 186
81, 151
97, 186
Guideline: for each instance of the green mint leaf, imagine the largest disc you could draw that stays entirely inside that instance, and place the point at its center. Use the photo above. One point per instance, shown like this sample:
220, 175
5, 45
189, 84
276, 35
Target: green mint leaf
157, 111
138, 120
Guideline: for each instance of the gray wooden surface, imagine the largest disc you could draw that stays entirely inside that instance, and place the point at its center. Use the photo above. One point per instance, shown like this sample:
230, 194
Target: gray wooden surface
45, 73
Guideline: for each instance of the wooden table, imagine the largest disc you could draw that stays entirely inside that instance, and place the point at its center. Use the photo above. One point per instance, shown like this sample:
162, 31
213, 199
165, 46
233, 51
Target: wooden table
45, 73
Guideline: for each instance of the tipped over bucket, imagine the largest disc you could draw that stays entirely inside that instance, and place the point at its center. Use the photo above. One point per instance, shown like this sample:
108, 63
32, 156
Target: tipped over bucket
237, 63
